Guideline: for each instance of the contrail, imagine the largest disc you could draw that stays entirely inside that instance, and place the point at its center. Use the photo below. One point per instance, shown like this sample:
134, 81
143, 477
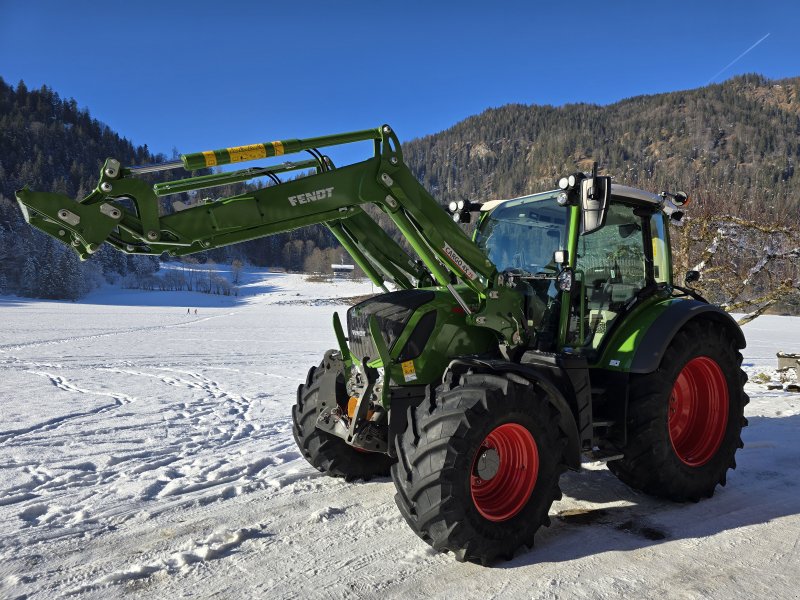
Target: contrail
737, 59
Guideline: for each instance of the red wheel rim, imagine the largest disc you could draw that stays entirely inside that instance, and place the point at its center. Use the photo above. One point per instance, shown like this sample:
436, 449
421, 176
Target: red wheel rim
698, 411
506, 492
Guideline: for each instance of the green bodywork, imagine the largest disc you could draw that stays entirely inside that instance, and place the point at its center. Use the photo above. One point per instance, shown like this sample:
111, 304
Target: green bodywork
452, 336
620, 349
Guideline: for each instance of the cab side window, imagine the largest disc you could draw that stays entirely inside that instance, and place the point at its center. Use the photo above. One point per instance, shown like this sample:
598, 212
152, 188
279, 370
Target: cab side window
662, 269
611, 271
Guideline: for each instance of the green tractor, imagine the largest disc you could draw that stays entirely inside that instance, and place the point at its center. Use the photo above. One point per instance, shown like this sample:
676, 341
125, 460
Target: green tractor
489, 365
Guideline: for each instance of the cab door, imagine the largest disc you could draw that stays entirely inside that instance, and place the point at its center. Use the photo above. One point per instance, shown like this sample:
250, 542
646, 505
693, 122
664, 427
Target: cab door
613, 265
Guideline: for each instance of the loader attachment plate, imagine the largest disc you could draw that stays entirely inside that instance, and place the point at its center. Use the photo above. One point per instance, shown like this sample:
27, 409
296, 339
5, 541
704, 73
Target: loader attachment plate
84, 227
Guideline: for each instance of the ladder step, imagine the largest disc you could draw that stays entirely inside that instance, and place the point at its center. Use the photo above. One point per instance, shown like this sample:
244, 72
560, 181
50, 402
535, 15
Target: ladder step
597, 424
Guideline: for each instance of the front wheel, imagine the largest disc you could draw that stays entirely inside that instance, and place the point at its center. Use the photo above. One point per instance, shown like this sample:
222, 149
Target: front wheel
685, 419
478, 467
324, 451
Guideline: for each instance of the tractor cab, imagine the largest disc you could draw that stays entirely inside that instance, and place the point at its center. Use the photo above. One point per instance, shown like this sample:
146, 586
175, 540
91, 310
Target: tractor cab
597, 267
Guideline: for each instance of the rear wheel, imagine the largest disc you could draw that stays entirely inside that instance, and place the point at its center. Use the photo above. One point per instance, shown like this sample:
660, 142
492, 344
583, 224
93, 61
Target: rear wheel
685, 419
478, 467
324, 451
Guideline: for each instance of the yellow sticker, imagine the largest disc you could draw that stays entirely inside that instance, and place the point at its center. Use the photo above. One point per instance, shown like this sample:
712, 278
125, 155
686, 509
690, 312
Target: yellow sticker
409, 373
245, 153
655, 248
278, 148
211, 159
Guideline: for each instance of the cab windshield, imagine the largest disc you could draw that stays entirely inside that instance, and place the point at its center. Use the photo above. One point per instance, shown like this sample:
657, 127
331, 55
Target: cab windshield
524, 233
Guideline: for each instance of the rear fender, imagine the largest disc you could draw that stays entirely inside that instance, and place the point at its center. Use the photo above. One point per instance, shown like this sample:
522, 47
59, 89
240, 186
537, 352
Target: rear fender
641, 340
661, 331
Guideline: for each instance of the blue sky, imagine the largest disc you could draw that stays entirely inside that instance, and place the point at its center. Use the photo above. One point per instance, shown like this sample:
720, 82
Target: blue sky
201, 75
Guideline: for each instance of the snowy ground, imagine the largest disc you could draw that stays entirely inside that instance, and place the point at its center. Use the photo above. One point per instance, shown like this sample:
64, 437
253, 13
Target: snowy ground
148, 453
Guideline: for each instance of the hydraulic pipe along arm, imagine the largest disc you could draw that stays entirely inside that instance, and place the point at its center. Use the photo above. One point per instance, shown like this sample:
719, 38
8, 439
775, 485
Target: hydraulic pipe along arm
125, 212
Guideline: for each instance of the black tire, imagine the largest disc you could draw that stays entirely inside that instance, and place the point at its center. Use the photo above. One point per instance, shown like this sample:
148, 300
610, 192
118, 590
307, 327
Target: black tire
437, 459
325, 452
685, 461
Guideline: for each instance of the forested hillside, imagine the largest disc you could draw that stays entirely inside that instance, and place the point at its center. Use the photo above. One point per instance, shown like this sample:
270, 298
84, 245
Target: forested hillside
732, 146
737, 142
49, 144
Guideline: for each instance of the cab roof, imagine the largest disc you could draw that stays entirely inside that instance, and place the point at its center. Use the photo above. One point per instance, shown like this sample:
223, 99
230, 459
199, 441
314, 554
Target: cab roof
623, 191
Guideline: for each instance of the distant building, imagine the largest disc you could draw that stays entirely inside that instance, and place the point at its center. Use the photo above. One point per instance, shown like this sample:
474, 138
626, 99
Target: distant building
342, 271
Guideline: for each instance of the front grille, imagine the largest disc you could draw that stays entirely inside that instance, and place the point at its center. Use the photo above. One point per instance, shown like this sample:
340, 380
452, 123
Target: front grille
392, 312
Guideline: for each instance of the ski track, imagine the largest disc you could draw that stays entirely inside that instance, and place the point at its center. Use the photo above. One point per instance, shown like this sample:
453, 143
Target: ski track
160, 464
97, 336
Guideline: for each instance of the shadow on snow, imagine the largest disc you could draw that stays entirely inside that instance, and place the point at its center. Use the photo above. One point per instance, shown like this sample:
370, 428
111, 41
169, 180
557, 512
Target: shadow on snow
764, 487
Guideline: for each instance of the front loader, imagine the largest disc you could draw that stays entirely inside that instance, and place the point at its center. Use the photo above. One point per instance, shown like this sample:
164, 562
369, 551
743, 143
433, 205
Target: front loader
488, 366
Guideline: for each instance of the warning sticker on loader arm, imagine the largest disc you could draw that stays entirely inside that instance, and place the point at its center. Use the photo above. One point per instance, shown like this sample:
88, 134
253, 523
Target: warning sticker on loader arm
409, 373
245, 153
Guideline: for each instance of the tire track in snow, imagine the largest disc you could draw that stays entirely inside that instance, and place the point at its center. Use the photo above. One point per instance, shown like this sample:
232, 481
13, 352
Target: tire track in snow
190, 480
216, 546
349, 515
96, 336
62, 383
230, 431
50, 502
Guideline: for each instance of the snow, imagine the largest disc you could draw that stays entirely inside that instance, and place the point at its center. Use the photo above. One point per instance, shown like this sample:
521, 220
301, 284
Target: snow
148, 453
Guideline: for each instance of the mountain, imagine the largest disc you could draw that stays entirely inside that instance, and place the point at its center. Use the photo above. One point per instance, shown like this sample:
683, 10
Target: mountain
49, 144
736, 143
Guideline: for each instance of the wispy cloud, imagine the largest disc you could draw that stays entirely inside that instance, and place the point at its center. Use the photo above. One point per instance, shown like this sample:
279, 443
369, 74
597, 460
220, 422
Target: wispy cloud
737, 59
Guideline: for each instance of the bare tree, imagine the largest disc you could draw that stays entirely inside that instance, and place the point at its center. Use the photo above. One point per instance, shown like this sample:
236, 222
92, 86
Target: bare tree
748, 263
236, 271
189, 271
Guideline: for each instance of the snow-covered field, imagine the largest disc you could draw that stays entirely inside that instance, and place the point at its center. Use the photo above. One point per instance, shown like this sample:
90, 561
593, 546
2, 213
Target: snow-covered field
148, 453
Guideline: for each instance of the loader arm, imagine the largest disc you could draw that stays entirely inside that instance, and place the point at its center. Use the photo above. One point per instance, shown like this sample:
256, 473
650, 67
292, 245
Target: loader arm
124, 211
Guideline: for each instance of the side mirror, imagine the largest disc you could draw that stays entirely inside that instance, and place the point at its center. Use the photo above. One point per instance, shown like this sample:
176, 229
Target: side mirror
691, 277
595, 192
